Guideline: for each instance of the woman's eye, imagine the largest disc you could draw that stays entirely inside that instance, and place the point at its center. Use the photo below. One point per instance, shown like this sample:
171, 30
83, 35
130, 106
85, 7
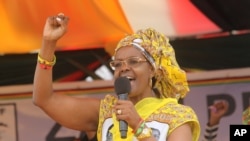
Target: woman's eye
133, 61
118, 64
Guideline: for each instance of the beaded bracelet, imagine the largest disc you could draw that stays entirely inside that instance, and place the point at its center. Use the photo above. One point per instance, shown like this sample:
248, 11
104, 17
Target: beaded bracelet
45, 64
140, 128
43, 61
139, 124
46, 67
143, 131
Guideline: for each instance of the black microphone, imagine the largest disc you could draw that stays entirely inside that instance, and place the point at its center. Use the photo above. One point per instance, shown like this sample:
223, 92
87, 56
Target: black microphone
122, 88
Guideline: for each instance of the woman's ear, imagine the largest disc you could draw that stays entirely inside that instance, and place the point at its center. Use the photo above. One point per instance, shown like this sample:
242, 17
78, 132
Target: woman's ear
152, 72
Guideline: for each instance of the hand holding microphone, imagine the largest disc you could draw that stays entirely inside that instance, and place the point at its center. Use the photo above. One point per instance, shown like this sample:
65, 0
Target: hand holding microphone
122, 89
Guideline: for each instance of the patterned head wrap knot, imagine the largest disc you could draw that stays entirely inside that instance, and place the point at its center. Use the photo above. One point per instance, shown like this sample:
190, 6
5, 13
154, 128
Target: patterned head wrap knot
170, 78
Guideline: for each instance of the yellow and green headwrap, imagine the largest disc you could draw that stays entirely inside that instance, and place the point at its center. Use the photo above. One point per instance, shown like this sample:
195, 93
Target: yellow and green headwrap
171, 80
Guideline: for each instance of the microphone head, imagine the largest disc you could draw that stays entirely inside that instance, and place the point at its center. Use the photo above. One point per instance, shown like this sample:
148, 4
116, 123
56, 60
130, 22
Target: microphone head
122, 85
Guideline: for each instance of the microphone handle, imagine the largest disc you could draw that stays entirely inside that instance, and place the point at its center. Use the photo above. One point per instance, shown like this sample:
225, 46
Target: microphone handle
123, 126
123, 96
123, 129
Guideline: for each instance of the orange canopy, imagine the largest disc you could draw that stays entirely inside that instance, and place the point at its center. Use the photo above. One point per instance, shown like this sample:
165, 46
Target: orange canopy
93, 23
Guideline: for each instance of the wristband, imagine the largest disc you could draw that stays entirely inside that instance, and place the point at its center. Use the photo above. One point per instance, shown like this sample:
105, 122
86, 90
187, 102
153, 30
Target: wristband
46, 67
143, 131
139, 124
46, 62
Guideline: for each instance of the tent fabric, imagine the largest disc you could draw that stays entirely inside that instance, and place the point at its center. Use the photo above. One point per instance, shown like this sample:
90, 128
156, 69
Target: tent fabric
227, 14
95, 23
101, 23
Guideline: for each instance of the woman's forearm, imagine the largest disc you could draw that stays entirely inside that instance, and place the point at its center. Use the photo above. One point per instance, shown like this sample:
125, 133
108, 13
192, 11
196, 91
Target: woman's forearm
43, 78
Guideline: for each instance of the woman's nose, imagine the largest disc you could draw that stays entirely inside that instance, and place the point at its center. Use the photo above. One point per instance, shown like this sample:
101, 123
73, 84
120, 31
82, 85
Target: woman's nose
124, 66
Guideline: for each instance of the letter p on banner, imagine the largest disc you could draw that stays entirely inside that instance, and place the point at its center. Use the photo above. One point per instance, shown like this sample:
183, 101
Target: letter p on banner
239, 132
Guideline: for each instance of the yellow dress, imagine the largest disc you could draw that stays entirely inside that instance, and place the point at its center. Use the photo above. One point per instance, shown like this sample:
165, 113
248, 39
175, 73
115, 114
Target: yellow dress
161, 115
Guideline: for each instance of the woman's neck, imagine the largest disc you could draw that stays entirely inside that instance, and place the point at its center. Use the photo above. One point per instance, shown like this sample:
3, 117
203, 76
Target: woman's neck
139, 97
